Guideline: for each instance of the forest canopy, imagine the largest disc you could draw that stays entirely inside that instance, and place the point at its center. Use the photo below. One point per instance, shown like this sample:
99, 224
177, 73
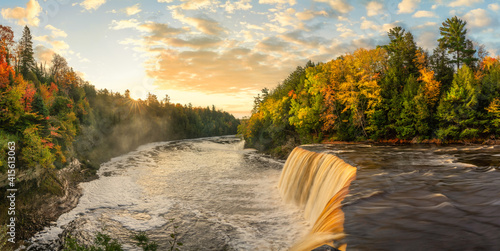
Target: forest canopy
395, 92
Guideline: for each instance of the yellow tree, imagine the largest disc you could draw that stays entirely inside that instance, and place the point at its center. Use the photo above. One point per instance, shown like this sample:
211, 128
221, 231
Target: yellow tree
431, 87
354, 86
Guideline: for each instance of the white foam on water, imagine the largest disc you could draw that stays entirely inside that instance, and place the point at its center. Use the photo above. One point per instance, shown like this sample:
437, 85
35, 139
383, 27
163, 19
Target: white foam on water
210, 180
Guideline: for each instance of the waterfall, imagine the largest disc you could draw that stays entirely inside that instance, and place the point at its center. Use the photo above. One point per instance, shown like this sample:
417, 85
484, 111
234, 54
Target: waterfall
318, 182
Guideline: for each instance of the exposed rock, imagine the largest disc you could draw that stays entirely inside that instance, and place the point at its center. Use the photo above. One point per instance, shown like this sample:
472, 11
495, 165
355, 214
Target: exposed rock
325, 248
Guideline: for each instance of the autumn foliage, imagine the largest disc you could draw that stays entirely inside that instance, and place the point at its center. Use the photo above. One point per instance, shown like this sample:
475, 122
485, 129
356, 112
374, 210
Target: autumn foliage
394, 93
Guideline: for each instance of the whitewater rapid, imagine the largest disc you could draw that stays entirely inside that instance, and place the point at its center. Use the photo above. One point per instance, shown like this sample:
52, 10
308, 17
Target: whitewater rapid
220, 195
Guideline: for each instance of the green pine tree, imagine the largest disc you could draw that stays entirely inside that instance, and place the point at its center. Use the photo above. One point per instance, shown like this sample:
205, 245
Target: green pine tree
27, 60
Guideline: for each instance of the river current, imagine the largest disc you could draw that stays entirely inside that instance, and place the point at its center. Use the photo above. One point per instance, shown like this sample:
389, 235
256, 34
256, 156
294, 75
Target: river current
221, 197
421, 197
224, 197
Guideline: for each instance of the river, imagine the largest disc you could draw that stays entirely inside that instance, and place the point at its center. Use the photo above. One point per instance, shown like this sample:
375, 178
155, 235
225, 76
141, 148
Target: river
224, 197
220, 196
421, 197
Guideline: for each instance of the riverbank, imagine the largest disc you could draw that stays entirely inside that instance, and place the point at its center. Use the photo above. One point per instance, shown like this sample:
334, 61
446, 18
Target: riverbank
283, 151
40, 202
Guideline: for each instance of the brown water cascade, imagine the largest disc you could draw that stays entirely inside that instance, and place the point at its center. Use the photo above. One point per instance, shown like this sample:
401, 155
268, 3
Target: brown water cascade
318, 182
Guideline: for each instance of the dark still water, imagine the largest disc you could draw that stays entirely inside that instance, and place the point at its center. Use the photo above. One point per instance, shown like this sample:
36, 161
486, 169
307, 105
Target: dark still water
422, 197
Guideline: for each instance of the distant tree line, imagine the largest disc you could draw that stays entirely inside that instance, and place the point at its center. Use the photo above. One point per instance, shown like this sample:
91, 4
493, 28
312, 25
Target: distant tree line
396, 92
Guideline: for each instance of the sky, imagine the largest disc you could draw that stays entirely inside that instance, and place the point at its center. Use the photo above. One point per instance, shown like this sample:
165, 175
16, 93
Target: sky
225, 52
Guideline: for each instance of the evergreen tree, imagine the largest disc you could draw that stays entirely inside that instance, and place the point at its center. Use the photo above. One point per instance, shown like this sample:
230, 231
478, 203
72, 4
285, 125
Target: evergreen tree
469, 53
457, 110
402, 51
454, 39
442, 67
26, 61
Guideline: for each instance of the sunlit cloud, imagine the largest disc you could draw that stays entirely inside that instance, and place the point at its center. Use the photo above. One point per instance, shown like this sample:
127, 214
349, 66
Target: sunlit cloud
280, 2
424, 13
230, 6
458, 3
341, 6
197, 4
374, 8
367, 24
57, 45
478, 18
309, 14
204, 24
132, 10
494, 7
55, 32
408, 6
298, 38
124, 24
44, 55
159, 30
24, 16
90, 5
215, 72
388, 26
273, 44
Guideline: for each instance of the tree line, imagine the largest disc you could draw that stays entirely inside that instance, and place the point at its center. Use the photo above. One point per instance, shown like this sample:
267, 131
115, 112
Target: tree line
396, 92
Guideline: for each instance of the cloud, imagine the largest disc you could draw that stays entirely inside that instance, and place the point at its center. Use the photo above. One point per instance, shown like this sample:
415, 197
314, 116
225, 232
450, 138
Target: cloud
341, 47
339, 5
408, 6
374, 8
55, 32
427, 24
424, 13
161, 35
494, 7
92, 4
58, 46
309, 14
195, 42
201, 42
132, 10
388, 26
254, 27
478, 18
458, 3
233, 71
203, 24
286, 18
230, 7
124, 24
24, 16
367, 24
273, 44
44, 55
297, 37
428, 40
196, 4
290, 2
345, 32
159, 30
